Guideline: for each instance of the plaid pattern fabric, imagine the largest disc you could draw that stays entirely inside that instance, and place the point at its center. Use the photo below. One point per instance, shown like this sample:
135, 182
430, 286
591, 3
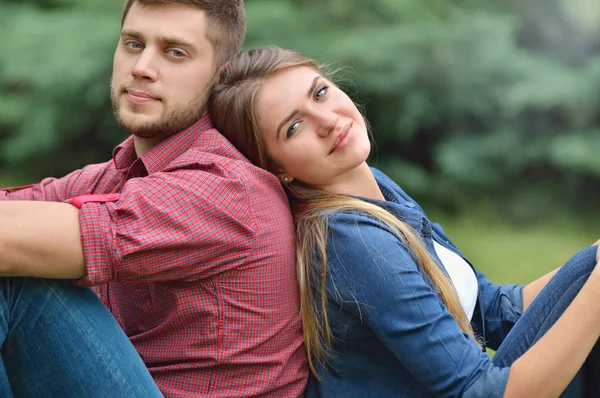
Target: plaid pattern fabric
196, 262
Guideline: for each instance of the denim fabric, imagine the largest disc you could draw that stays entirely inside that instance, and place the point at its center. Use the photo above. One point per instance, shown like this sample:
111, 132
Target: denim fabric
393, 335
544, 311
59, 340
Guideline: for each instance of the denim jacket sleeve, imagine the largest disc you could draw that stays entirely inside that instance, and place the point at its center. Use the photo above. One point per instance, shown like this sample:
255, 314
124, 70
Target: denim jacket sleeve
372, 275
502, 306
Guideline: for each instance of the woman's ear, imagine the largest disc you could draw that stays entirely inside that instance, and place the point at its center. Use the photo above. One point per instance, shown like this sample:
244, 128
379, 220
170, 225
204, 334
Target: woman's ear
277, 169
286, 179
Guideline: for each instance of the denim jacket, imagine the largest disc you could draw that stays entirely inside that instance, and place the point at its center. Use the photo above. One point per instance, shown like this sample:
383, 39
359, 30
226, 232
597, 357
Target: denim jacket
393, 336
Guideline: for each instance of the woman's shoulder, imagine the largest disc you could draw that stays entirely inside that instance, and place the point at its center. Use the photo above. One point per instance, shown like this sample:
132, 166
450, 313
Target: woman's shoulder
387, 183
354, 234
354, 221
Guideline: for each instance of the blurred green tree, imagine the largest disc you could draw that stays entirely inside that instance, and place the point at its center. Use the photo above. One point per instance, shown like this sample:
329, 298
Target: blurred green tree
467, 100
55, 112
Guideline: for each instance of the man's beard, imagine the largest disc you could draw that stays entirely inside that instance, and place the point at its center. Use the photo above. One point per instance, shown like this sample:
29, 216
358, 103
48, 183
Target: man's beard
173, 119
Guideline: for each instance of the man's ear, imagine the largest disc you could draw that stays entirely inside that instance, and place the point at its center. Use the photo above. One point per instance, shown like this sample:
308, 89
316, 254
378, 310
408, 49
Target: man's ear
221, 68
218, 70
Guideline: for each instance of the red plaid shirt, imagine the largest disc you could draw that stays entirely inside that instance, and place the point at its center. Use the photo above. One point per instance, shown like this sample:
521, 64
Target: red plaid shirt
194, 256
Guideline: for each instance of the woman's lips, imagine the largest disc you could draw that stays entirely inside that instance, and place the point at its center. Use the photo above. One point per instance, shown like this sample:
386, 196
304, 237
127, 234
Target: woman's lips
343, 138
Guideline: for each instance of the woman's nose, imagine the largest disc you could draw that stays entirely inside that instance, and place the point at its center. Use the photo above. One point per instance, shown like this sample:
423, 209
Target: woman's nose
326, 122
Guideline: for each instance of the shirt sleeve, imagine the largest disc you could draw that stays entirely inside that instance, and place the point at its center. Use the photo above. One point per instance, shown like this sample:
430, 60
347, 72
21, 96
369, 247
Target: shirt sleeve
374, 277
179, 225
48, 190
79, 182
502, 306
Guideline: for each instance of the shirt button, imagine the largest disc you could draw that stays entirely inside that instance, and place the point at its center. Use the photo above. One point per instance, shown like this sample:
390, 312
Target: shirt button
111, 196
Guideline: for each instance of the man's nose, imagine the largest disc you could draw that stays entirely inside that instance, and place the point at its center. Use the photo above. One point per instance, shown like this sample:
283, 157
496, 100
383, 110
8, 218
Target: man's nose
326, 122
144, 67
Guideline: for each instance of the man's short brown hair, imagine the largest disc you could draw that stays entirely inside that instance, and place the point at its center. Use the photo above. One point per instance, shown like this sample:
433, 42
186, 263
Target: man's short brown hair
225, 23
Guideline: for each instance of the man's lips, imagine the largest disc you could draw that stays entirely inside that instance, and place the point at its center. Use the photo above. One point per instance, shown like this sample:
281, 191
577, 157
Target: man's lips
341, 138
139, 97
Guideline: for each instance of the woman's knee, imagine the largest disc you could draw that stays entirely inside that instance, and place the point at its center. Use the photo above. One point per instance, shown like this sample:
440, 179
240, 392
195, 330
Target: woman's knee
583, 262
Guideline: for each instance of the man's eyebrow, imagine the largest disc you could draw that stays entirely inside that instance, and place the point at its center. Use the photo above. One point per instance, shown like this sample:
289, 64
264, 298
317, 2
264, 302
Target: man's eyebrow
131, 33
295, 112
166, 40
176, 41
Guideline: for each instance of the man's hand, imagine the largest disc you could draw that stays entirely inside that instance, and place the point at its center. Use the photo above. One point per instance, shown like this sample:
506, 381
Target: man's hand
40, 239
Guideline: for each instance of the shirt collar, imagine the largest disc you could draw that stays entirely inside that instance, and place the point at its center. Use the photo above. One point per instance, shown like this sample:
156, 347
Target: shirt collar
159, 157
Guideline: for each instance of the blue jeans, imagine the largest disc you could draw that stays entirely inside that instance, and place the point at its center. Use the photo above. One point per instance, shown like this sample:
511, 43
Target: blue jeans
544, 311
59, 340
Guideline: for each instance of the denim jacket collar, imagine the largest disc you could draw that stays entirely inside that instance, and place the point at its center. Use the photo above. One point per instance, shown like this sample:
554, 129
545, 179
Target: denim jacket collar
400, 204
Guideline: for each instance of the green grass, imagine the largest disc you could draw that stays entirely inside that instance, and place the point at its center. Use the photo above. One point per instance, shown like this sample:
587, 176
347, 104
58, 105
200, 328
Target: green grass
511, 254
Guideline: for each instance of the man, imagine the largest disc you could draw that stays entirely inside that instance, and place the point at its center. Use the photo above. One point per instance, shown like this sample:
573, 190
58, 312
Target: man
188, 245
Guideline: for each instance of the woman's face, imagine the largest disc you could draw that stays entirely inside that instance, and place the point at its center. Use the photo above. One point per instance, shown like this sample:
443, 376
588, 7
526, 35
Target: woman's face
311, 128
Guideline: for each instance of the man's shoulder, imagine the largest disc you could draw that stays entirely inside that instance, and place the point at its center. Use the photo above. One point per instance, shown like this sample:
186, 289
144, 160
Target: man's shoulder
93, 176
216, 167
210, 147
96, 173
222, 161
214, 154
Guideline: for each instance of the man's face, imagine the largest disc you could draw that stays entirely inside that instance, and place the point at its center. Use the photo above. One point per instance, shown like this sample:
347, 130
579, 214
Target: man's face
162, 71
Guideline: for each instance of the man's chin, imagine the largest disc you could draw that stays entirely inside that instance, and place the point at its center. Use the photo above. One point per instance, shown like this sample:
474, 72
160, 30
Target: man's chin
151, 128
148, 132
158, 126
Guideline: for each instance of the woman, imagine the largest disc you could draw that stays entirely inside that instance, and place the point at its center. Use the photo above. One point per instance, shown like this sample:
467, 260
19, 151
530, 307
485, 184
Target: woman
390, 307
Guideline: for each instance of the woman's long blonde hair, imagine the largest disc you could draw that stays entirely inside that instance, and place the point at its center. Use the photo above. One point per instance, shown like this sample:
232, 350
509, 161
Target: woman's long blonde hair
232, 106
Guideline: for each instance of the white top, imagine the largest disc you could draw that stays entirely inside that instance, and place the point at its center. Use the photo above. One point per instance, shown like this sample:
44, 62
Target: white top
462, 276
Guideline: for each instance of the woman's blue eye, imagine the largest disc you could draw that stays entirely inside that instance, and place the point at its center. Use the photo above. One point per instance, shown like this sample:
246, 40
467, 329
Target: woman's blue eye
321, 93
292, 129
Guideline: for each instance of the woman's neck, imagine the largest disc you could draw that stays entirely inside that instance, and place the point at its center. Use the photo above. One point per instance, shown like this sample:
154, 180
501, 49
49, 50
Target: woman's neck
357, 182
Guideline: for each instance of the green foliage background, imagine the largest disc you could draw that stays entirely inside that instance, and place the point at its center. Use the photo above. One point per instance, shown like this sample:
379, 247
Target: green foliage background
485, 105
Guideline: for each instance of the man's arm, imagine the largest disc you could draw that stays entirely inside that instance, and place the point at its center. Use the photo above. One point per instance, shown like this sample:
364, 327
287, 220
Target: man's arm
49, 189
40, 239
39, 235
185, 224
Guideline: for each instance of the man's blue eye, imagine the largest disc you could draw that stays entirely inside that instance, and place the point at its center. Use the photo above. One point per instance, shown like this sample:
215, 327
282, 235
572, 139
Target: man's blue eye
292, 129
177, 53
133, 44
